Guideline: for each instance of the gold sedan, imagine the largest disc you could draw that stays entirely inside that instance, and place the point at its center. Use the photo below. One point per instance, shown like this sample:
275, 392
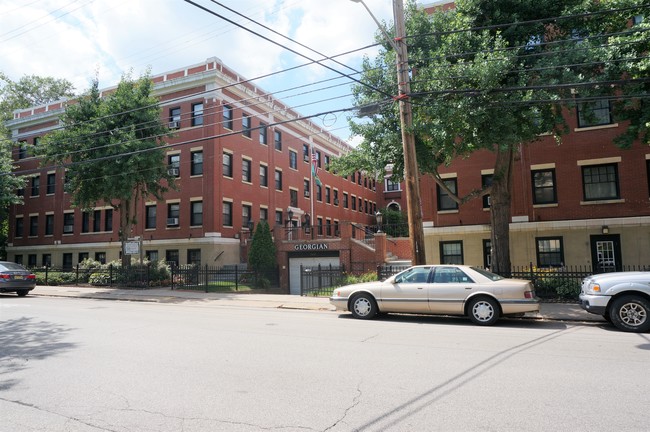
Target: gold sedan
440, 289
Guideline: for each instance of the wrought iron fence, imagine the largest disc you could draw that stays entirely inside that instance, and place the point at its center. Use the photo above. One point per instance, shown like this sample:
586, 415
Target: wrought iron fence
139, 276
320, 280
223, 279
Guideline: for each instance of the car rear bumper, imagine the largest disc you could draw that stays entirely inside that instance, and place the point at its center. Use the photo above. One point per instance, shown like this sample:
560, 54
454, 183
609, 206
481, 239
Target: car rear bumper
595, 304
509, 307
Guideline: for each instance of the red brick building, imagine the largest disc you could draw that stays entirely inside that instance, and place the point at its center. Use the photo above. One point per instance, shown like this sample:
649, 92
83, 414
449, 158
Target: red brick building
239, 155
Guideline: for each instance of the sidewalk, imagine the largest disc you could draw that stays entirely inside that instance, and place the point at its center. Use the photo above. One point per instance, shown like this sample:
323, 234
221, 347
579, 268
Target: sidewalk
548, 311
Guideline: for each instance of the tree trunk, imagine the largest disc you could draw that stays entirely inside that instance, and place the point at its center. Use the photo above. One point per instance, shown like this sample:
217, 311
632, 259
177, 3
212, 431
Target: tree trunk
500, 212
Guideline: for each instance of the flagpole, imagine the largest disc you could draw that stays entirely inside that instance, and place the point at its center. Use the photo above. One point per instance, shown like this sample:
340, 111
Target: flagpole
312, 218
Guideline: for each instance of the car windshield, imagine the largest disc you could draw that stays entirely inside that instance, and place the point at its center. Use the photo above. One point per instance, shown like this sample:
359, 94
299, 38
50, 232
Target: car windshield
487, 274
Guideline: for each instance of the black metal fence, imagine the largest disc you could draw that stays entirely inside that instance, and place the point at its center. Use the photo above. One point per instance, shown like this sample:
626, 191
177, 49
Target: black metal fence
223, 279
561, 284
124, 277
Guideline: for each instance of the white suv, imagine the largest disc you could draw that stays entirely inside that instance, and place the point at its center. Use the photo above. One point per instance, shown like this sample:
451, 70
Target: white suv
622, 298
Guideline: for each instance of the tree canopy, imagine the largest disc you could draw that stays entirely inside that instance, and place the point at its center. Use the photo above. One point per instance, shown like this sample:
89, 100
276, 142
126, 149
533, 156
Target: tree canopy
491, 76
110, 146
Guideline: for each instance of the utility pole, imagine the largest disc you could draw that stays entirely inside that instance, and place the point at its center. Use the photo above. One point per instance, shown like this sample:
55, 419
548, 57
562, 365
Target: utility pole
411, 172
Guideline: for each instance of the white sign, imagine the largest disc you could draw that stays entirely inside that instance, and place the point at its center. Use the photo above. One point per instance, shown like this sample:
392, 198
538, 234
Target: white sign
132, 247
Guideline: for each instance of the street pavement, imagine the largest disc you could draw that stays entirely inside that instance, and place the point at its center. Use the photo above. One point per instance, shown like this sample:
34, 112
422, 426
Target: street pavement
548, 311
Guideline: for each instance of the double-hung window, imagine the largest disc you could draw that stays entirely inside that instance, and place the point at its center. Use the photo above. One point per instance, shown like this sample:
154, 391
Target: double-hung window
246, 170
227, 117
594, 113
600, 182
246, 125
196, 216
451, 252
197, 163
227, 165
544, 188
550, 251
197, 114
445, 202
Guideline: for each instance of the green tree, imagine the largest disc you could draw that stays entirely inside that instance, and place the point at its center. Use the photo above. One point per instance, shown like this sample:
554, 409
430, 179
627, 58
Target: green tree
478, 83
24, 93
111, 148
261, 254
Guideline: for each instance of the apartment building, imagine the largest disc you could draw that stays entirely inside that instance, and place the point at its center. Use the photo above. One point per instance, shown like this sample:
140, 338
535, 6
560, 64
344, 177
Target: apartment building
239, 156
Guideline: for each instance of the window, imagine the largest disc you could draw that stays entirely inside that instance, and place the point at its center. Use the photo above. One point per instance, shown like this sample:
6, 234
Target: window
174, 165
196, 216
444, 199
392, 186
108, 220
320, 226
97, 220
85, 222
263, 133
246, 215
328, 193
264, 214
293, 159
353, 200
82, 257
647, 167
174, 118
451, 252
173, 214
360, 204
227, 117
246, 170
319, 192
18, 259
226, 213
19, 227
306, 188
600, 182
246, 125
486, 182
33, 226
637, 19
278, 180
22, 149
68, 223
305, 152
318, 159
31, 260
594, 113
278, 217
550, 252
67, 261
194, 256
150, 221
36, 186
359, 178
264, 175
99, 256
277, 139
49, 224
336, 197
293, 198
327, 163
227, 165
172, 256
345, 200
51, 184
544, 191
46, 260
328, 227
197, 114
151, 255
197, 163
451, 275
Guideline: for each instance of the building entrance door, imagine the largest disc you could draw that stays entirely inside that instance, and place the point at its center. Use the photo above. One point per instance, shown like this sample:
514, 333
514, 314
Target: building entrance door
606, 253
294, 269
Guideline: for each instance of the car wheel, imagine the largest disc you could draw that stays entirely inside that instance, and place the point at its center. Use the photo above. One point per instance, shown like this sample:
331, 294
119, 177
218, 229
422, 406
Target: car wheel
363, 306
630, 313
22, 293
483, 311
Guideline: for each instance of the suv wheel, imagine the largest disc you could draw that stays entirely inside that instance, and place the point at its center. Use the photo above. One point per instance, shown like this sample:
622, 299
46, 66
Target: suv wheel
630, 313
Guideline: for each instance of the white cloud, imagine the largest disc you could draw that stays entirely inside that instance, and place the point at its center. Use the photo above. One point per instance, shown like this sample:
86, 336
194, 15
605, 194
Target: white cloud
113, 37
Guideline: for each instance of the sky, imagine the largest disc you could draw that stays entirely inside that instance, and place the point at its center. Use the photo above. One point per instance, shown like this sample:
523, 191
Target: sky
81, 39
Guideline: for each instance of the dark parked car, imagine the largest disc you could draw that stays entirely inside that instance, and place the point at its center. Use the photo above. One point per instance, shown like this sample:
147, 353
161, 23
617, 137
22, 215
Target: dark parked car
16, 278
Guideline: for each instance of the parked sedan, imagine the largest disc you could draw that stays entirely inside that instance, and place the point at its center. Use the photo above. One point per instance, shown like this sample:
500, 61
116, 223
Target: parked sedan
622, 298
440, 289
16, 278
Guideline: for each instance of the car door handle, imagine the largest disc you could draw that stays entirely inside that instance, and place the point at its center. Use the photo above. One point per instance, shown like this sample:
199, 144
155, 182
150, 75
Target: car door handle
469, 288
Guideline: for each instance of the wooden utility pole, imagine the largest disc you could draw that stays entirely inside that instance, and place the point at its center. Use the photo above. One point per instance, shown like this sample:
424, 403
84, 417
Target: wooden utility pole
411, 172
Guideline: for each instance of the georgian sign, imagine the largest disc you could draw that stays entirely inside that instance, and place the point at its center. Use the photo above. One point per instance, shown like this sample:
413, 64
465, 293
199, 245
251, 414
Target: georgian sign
311, 246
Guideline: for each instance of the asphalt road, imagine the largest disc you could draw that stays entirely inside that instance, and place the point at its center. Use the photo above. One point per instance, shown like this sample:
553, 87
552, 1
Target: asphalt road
96, 365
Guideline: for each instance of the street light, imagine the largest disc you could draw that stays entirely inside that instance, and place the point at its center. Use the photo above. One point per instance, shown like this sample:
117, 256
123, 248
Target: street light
411, 180
380, 218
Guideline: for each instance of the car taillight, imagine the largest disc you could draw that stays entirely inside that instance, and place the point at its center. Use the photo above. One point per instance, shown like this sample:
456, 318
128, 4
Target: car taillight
529, 294
31, 276
5, 276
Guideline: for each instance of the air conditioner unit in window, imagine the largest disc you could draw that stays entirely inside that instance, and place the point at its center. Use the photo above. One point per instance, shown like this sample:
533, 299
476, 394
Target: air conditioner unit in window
67, 229
172, 221
174, 124
306, 158
307, 194
173, 172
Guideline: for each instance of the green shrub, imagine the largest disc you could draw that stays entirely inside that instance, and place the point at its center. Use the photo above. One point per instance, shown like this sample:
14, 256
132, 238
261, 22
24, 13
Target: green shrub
100, 279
